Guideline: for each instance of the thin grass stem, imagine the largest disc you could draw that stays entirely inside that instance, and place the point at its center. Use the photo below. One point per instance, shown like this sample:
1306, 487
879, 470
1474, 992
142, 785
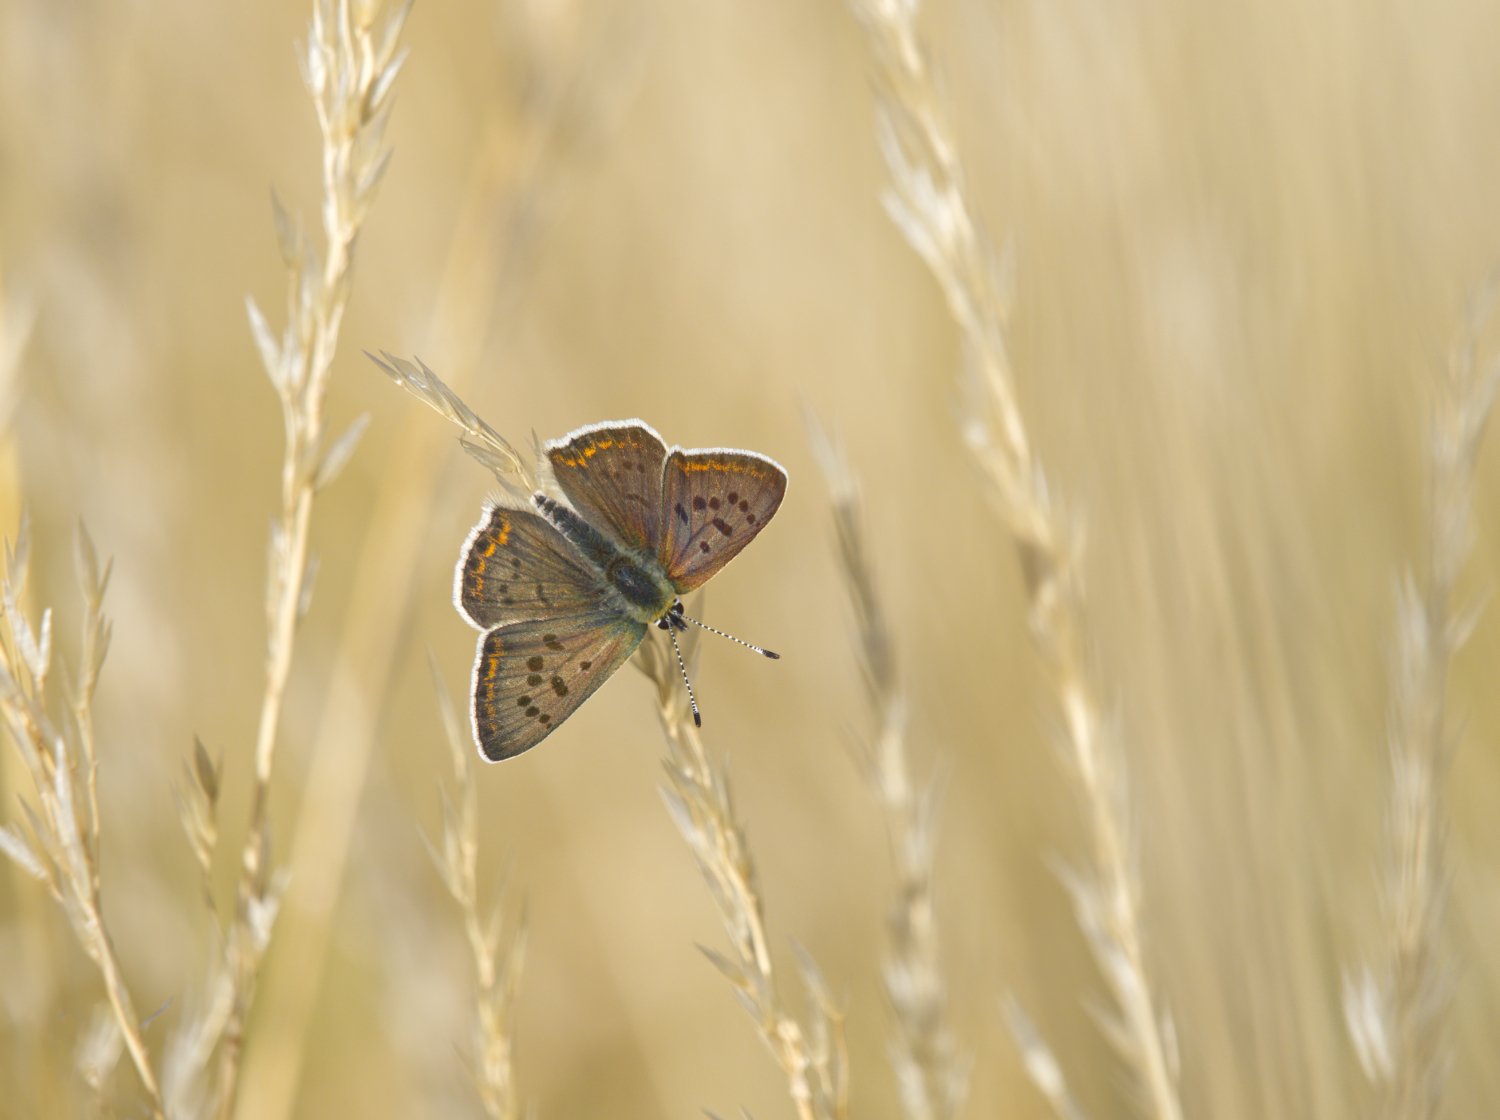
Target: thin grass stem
927, 199
498, 953
698, 799
931, 1074
349, 71
63, 849
1397, 1011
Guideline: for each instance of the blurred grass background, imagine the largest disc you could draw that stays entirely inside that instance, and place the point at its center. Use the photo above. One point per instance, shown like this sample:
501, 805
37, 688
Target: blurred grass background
1244, 237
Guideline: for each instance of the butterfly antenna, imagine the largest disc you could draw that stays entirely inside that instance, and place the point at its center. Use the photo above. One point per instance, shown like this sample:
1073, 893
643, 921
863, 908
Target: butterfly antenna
697, 719
731, 637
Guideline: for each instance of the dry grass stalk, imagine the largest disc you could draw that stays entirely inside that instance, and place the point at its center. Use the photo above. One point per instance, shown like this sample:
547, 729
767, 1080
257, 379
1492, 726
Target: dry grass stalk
350, 73
1041, 1064
1397, 1013
498, 954
698, 799
63, 849
508, 195
192, 1044
927, 202
932, 1076
197, 800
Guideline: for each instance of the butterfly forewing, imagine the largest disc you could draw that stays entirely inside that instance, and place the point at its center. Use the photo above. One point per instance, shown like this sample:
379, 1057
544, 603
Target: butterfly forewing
715, 501
530, 676
514, 566
612, 474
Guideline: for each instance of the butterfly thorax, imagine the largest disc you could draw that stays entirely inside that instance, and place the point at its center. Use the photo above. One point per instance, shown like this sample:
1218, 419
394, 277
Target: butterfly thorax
633, 579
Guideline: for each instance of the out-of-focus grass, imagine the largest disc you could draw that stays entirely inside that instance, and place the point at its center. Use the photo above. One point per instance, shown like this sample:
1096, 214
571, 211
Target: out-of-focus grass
1243, 238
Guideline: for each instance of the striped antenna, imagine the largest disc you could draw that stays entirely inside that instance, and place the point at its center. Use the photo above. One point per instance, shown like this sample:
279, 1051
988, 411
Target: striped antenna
677, 610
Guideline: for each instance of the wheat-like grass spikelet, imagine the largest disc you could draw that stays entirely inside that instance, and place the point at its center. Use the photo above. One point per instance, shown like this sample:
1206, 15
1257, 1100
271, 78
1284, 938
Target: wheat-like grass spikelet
556, 105
698, 798
1041, 1064
350, 72
931, 1074
927, 202
557, 102
480, 441
498, 953
191, 1046
1397, 1011
63, 849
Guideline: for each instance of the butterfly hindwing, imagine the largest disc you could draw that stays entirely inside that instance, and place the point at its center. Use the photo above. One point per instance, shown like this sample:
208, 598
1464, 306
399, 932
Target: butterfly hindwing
612, 474
514, 566
714, 502
530, 676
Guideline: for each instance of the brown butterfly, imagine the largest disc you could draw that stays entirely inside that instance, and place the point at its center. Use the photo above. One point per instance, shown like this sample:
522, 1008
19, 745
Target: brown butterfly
564, 594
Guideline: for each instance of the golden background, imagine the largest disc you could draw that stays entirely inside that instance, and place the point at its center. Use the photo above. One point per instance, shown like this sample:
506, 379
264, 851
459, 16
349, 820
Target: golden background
1244, 237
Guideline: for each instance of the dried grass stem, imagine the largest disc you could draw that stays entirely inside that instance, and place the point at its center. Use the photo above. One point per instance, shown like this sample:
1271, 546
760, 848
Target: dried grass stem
932, 1077
698, 798
1397, 1013
498, 955
350, 73
927, 201
63, 849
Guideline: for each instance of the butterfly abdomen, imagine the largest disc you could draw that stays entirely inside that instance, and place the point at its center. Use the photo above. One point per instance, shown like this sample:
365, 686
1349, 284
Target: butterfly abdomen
593, 545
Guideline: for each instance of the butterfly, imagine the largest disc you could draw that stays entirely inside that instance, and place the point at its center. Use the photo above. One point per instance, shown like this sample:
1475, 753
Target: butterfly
565, 591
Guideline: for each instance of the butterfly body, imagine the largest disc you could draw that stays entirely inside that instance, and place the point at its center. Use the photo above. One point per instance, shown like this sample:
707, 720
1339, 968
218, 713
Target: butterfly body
564, 592
632, 578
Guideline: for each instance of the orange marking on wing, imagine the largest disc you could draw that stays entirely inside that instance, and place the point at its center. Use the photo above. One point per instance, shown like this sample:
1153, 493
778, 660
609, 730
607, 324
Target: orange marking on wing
717, 465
